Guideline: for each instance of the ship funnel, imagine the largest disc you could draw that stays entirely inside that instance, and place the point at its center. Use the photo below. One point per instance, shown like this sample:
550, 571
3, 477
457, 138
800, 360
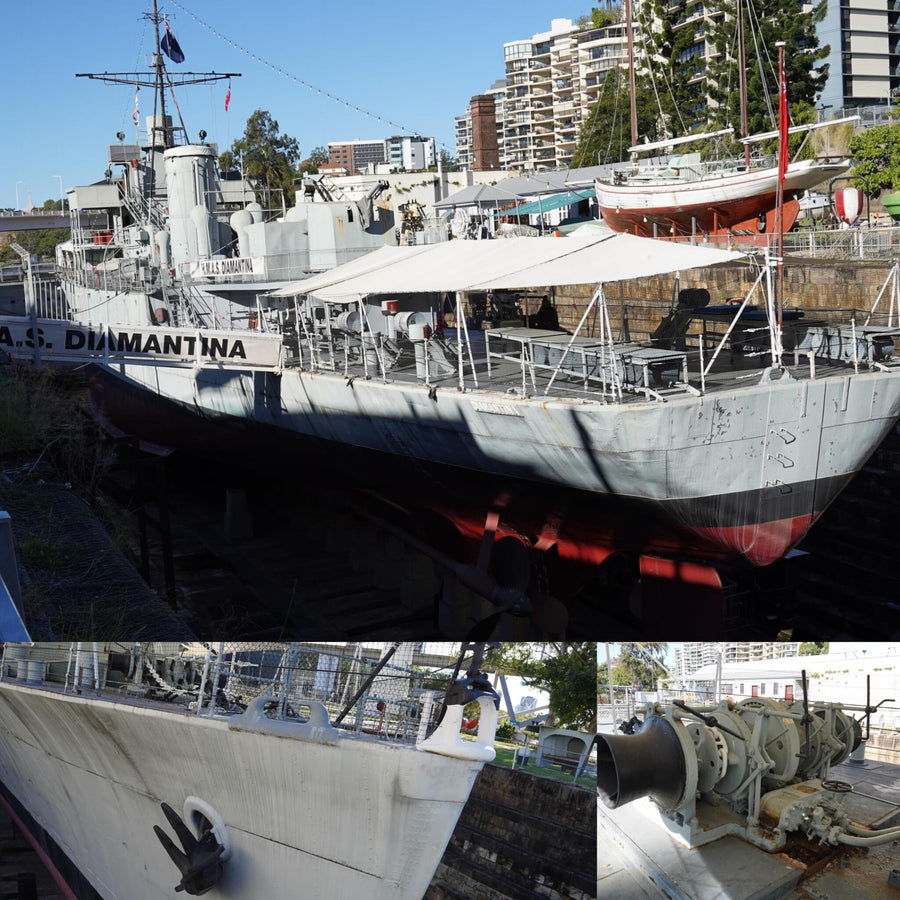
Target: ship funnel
191, 183
650, 763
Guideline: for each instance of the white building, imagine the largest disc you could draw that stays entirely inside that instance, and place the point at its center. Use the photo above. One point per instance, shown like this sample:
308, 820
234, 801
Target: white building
409, 153
842, 676
864, 63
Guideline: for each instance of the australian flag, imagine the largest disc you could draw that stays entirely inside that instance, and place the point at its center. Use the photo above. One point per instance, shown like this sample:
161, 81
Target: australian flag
170, 45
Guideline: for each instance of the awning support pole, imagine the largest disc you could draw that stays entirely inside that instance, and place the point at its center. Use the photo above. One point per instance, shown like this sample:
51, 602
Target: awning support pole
587, 312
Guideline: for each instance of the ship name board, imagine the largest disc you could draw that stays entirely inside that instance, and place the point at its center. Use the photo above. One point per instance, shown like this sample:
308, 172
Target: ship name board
59, 340
239, 265
498, 409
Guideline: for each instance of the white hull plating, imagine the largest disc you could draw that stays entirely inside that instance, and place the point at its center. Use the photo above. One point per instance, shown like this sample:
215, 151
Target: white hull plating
351, 819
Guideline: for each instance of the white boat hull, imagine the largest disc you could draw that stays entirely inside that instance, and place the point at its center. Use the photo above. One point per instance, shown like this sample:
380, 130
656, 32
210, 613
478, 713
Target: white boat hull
712, 204
355, 819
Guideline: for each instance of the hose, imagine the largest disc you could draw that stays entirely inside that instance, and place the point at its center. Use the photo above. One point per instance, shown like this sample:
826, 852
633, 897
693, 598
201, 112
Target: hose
855, 841
871, 832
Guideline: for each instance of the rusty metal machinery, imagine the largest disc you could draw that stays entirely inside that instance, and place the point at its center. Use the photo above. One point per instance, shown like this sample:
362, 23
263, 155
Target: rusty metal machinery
757, 768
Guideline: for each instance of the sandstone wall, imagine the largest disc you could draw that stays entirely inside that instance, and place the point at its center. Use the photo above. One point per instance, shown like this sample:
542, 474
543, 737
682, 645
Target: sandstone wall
521, 837
637, 307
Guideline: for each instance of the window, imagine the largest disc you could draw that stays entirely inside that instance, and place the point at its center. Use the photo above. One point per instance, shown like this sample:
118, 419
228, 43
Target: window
775, 689
762, 688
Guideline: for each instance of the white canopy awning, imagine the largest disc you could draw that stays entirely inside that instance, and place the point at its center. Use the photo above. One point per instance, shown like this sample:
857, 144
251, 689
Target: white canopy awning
383, 256
511, 263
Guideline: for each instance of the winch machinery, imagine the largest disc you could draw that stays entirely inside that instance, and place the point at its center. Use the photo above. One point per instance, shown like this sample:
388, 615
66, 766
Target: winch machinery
757, 768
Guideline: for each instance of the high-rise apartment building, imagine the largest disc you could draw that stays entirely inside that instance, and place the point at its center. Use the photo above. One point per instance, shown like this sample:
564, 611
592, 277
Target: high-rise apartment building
693, 655
552, 81
540, 118
554, 78
864, 63
411, 153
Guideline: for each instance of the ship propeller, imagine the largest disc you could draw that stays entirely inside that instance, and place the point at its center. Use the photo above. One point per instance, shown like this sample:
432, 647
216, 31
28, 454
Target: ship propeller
199, 863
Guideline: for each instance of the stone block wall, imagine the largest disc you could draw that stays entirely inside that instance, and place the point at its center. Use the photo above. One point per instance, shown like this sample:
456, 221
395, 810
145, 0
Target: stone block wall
637, 307
521, 837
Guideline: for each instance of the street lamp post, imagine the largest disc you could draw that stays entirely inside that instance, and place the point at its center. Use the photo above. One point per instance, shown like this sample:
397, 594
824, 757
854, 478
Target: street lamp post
17, 193
62, 202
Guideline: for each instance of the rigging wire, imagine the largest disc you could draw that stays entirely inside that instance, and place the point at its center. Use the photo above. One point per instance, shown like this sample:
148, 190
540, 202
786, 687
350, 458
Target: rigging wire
126, 121
762, 56
290, 76
665, 74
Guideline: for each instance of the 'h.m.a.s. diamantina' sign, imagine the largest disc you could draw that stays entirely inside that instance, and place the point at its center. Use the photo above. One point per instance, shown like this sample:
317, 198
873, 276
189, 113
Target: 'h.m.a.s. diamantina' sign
52, 339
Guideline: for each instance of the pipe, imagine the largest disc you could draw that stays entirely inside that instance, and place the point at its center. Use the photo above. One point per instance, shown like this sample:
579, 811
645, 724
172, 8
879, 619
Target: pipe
872, 832
48, 864
854, 841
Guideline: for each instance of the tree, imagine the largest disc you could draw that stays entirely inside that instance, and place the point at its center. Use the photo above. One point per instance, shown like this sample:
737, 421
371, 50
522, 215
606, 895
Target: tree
319, 157
695, 68
791, 21
877, 154
640, 664
606, 133
600, 17
265, 156
449, 162
566, 670
814, 648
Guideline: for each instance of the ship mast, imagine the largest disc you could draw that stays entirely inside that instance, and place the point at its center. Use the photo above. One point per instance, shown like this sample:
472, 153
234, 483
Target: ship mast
742, 80
160, 66
159, 80
631, 78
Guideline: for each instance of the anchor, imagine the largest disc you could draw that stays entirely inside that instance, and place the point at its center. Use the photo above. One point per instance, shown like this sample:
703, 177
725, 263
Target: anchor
200, 864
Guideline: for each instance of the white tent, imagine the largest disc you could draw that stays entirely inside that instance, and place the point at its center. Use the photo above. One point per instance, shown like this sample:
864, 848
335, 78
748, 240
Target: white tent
383, 256
478, 195
513, 263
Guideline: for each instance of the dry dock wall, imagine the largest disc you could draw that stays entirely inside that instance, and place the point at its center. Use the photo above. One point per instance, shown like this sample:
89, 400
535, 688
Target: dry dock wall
521, 837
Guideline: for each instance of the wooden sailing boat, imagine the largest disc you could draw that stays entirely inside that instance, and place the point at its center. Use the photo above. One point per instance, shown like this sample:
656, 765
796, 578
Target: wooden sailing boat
688, 196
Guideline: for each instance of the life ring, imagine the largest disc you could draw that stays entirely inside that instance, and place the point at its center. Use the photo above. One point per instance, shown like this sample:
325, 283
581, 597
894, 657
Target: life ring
734, 301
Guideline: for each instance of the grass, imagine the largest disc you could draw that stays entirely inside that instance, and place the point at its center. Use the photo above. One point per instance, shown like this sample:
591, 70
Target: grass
504, 758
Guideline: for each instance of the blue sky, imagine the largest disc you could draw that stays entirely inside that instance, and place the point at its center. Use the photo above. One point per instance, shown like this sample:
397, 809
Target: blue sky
413, 64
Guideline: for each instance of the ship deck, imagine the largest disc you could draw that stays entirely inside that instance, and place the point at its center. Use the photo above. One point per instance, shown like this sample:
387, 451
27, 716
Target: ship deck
528, 366
180, 705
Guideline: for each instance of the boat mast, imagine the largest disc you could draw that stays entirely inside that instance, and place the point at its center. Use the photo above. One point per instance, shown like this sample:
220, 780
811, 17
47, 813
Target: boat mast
631, 79
779, 190
742, 80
